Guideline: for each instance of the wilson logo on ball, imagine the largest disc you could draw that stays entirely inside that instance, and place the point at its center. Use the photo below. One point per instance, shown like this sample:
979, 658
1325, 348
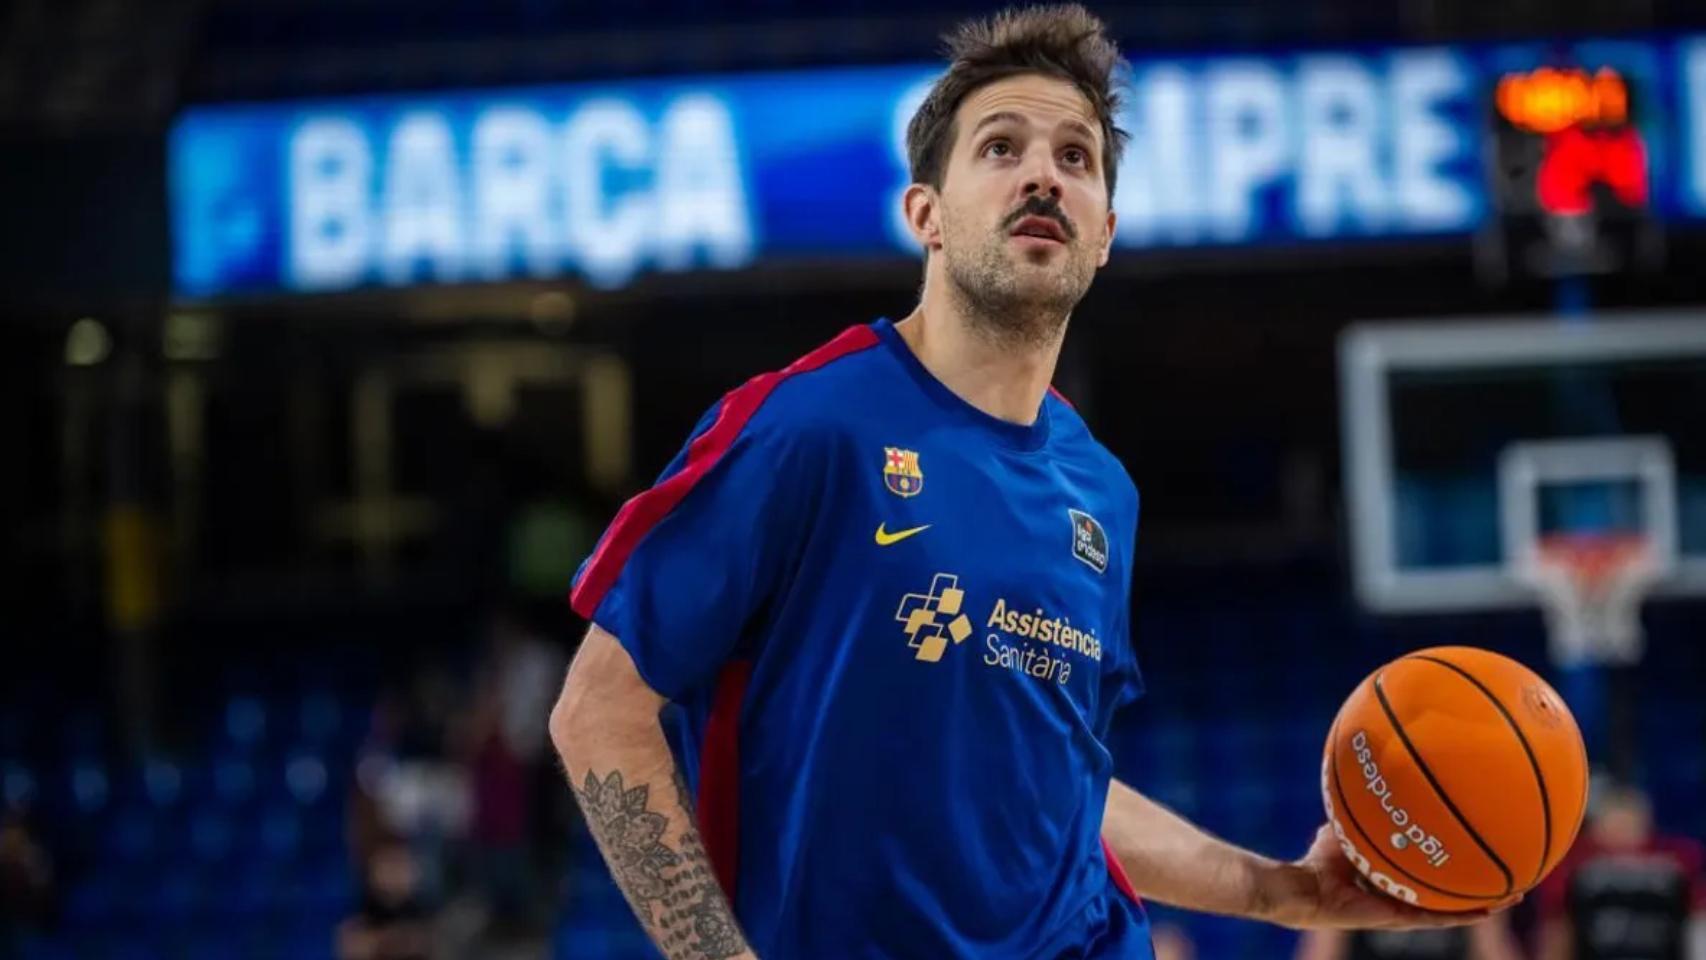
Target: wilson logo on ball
1380, 880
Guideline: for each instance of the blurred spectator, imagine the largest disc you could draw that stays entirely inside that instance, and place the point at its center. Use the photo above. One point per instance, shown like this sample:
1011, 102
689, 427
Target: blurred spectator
453, 768
1624, 892
392, 923
367, 819
1172, 943
527, 673
1488, 940
518, 790
27, 891
499, 832
411, 784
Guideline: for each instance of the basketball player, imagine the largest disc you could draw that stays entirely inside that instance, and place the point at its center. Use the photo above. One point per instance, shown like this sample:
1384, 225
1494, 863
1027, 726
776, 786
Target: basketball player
1624, 892
887, 590
1491, 939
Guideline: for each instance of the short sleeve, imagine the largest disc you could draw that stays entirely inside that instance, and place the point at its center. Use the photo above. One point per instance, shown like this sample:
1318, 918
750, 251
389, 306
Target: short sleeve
689, 564
1123, 680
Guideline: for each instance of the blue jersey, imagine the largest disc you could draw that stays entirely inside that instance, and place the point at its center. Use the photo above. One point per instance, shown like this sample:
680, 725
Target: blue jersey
896, 628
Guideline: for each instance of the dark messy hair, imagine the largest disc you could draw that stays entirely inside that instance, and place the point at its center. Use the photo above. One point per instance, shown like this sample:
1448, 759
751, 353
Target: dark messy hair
1064, 41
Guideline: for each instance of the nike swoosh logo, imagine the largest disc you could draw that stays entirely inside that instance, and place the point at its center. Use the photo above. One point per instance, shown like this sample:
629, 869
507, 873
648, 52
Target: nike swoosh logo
884, 538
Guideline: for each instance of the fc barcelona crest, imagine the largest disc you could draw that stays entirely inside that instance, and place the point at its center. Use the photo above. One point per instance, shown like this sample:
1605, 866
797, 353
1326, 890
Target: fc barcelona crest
900, 472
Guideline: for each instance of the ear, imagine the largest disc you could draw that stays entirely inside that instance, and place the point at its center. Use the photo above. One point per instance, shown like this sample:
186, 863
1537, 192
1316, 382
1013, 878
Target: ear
1107, 240
921, 205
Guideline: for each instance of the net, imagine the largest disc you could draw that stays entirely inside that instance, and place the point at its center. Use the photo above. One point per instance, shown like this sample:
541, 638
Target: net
1591, 586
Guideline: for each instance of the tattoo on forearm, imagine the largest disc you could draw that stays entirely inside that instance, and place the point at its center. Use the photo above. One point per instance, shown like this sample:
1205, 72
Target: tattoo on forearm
672, 890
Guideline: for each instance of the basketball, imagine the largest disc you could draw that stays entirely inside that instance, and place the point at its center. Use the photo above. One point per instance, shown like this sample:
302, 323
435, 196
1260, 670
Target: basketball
1454, 778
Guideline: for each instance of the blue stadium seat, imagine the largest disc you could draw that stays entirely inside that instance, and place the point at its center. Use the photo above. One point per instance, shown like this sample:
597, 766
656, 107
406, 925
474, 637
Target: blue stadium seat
162, 783
179, 897
19, 786
325, 887
93, 904
249, 894
278, 835
212, 835
306, 779
133, 836
314, 935
245, 722
88, 787
322, 838
234, 781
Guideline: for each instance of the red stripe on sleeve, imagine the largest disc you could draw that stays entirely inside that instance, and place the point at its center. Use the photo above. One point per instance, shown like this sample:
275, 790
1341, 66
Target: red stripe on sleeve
643, 512
1121, 881
719, 776
1060, 396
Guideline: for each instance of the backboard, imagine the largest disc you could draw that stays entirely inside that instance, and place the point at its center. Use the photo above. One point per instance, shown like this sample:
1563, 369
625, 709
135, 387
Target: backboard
1466, 444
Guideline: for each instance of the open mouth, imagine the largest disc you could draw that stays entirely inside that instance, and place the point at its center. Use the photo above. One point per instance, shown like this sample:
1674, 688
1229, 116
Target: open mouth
1041, 228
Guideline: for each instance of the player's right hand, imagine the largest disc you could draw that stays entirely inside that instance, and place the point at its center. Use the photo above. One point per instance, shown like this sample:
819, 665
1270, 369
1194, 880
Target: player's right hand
1326, 892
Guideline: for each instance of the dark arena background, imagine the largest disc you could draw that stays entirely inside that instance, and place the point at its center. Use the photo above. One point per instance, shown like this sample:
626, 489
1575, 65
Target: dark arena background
333, 332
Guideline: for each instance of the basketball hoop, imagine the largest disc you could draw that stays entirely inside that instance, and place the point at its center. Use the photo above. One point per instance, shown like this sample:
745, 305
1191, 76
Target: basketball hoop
1592, 585
1590, 581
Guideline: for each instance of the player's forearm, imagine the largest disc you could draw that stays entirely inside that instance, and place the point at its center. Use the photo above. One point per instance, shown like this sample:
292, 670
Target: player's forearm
639, 811
1170, 860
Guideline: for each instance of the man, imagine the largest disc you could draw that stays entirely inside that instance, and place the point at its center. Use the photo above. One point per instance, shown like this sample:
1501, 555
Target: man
889, 588
1624, 892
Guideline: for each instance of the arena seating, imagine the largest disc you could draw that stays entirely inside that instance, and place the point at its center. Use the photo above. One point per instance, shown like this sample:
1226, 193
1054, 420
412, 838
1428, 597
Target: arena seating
236, 847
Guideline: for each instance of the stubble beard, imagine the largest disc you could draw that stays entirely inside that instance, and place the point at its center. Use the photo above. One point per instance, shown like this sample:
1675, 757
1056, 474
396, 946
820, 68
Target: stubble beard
1006, 307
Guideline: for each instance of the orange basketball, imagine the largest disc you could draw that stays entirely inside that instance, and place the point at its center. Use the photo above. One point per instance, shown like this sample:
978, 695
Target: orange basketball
1454, 778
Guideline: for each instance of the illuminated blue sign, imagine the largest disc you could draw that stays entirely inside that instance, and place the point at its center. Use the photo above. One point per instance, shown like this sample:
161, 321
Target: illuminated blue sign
607, 181
1317, 146
599, 181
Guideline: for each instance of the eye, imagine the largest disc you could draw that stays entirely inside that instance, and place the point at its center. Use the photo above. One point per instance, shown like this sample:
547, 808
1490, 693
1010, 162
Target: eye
1075, 157
998, 148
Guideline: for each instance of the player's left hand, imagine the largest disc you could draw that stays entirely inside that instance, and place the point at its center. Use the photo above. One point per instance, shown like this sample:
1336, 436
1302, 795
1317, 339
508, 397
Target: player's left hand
1324, 891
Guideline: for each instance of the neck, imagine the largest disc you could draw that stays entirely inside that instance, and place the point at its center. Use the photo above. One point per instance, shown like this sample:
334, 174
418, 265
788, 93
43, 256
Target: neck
1005, 377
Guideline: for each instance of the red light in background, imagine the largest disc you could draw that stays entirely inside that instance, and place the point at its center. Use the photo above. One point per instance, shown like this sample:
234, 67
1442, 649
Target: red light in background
1576, 159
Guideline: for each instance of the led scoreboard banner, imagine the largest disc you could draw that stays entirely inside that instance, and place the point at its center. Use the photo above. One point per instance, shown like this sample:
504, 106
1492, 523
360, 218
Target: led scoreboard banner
1564, 156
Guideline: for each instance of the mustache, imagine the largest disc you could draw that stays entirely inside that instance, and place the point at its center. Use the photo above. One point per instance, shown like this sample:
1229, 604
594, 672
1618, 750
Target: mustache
1037, 205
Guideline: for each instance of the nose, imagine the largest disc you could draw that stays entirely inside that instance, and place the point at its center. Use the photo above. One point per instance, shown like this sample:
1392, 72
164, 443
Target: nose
1043, 179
